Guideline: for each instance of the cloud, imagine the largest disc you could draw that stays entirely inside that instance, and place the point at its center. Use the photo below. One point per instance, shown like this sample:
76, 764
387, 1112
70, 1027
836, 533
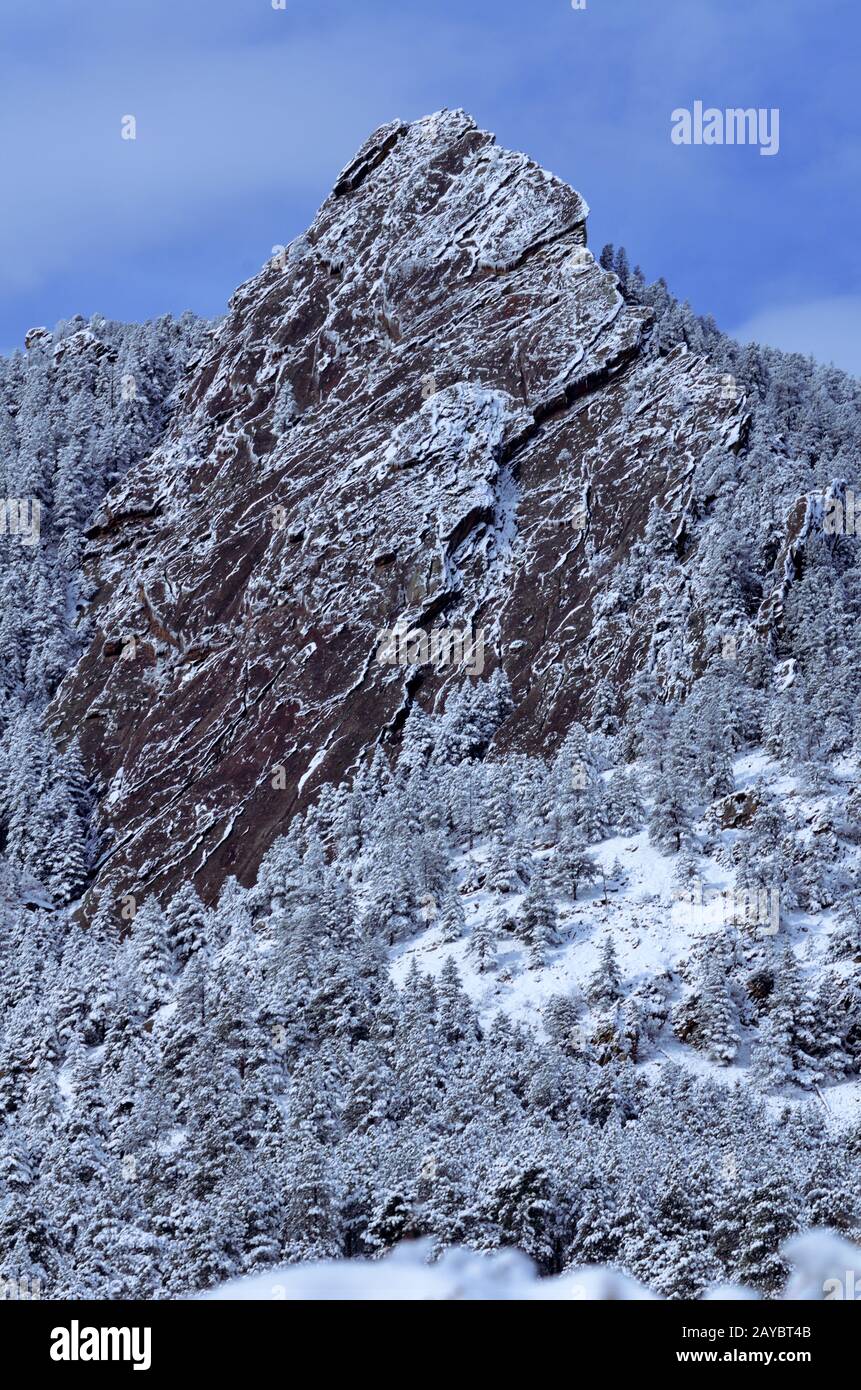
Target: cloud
827, 329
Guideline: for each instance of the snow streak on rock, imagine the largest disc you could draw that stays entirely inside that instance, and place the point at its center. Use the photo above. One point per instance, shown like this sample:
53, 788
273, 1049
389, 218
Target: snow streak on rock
432, 409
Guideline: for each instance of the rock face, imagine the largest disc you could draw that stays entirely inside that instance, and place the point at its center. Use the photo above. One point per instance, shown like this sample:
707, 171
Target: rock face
433, 409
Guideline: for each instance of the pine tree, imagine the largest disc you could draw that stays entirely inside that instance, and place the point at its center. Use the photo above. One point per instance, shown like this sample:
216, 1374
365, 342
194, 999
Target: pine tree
537, 921
456, 1019
787, 1047
605, 985
845, 939
149, 956
451, 918
500, 874
562, 1021
571, 865
832, 1061
188, 928
625, 800
718, 1016
482, 943
670, 818
770, 1209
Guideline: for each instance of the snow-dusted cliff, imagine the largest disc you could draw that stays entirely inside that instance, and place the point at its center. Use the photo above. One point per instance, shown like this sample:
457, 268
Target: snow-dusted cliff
432, 410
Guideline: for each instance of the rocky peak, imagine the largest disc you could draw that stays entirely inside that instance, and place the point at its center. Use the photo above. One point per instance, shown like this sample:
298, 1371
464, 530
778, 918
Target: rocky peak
432, 409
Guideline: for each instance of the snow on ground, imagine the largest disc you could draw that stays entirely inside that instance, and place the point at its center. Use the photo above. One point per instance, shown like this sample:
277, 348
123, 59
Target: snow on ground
824, 1267
405, 1275
653, 928
646, 944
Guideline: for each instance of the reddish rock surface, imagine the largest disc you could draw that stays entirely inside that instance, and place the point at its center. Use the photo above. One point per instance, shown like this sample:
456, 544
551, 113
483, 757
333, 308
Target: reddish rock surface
434, 407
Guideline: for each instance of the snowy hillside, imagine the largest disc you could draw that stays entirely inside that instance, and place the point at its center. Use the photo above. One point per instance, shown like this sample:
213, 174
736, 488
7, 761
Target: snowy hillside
429, 794
657, 922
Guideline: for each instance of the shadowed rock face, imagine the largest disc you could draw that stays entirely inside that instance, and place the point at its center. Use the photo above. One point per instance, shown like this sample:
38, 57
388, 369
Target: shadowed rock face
432, 408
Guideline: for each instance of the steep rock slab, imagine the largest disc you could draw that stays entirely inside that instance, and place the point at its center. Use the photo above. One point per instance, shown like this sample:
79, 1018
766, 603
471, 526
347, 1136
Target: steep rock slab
432, 408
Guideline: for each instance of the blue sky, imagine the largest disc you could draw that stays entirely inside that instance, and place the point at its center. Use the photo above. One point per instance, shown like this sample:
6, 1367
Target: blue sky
246, 113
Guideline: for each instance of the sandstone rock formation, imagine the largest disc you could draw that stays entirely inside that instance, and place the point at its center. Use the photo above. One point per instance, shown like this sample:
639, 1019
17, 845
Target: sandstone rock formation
433, 408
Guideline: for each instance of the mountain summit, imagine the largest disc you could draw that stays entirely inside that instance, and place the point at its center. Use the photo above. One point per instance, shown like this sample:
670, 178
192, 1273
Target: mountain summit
451, 824
432, 410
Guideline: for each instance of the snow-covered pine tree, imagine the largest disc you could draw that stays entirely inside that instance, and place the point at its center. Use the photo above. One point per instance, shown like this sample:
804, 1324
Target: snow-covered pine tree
537, 921
482, 944
605, 985
452, 920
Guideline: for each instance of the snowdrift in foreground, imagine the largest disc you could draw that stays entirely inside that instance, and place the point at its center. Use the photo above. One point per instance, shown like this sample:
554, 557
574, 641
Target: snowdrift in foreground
825, 1267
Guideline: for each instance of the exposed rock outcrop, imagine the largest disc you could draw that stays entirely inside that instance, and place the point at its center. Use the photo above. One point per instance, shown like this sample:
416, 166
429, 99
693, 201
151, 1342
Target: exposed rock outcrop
432, 408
